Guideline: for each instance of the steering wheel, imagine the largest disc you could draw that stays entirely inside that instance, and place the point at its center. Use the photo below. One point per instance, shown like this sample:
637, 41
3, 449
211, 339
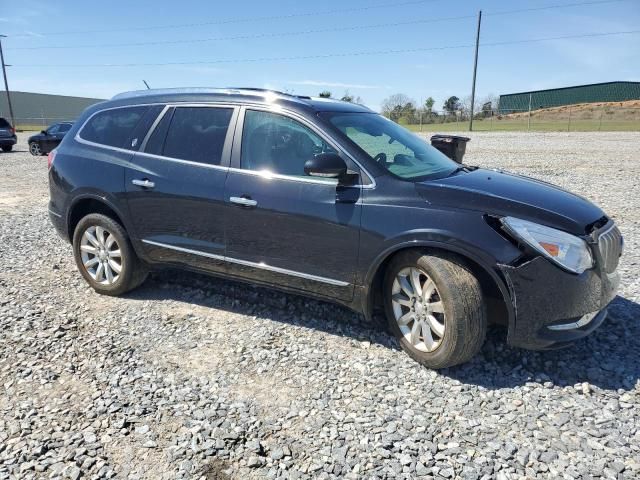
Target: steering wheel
380, 158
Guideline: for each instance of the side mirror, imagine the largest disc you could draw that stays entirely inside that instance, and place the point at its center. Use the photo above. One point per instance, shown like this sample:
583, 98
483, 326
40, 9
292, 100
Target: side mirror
326, 165
44, 132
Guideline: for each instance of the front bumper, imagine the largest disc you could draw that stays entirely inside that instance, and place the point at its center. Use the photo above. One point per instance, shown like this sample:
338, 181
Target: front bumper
547, 301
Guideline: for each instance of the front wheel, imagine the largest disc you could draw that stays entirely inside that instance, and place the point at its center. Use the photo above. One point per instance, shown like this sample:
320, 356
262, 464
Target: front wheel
434, 306
34, 149
105, 257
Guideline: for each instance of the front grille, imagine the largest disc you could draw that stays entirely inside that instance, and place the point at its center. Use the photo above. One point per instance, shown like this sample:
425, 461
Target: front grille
610, 246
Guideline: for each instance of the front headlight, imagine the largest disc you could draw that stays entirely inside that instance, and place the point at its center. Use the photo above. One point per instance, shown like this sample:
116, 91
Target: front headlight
566, 250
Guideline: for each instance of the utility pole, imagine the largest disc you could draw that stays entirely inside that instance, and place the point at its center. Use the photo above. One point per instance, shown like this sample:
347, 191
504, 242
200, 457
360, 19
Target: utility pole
6, 84
475, 69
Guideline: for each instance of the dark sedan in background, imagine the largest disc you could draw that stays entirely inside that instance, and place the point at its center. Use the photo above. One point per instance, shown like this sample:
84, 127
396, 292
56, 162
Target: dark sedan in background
45, 141
8, 136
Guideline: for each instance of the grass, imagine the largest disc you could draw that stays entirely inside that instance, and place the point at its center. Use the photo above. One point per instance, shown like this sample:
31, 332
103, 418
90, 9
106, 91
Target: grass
519, 125
30, 128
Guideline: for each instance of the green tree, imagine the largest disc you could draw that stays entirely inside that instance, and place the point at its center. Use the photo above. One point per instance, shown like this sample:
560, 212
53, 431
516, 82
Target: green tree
399, 108
325, 94
452, 105
347, 97
428, 105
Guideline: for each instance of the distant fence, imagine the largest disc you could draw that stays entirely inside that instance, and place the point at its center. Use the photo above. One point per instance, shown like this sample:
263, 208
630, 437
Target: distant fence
38, 123
570, 118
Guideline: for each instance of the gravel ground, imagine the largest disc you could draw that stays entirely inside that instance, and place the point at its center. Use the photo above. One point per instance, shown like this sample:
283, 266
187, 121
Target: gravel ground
192, 377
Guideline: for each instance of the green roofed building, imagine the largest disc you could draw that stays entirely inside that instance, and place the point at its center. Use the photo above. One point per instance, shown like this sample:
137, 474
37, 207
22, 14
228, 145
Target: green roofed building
555, 97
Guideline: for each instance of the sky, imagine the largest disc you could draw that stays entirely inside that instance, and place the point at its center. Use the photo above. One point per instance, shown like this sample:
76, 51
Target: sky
371, 49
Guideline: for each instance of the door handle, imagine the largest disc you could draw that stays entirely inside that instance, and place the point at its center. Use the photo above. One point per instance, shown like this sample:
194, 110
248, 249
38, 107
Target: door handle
143, 183
245, 202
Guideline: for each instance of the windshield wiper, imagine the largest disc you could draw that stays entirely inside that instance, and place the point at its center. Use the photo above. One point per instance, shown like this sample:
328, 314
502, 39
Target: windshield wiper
461, 168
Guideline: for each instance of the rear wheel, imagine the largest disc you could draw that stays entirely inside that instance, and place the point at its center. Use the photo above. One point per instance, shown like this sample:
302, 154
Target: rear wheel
434, 306
34, 149
105, 257
7, 148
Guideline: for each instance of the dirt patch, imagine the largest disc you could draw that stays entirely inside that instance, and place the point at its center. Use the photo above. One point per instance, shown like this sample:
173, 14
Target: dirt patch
215, 470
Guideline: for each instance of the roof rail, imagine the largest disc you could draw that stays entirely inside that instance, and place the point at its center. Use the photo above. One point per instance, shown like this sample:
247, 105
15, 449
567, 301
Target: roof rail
204, 90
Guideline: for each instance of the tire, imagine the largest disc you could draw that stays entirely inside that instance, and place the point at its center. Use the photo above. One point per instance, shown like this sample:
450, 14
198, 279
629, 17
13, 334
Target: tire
34, 149
109, 237
455, 308
8, 148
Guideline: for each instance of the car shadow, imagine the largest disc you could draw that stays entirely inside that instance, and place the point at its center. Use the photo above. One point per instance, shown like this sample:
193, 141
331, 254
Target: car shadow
247, 299
608, 358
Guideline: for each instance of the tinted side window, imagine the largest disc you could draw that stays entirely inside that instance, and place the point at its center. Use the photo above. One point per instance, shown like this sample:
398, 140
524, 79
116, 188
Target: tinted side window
197, 134
278, 144
155, 144
138, 133
4, 123
53, 129
64, 127
113, 127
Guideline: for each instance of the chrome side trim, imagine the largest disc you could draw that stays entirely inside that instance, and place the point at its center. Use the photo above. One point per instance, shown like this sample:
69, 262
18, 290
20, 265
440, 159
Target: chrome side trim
268, 175
79, 139
261, 266
186, 162
55, 214
185, 250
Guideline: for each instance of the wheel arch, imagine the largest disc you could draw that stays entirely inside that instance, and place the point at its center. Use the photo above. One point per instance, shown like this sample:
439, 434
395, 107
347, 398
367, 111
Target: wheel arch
87, 204
494, 289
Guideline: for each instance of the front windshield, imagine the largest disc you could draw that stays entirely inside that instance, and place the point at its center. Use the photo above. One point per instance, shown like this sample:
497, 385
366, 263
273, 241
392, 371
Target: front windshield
391, 146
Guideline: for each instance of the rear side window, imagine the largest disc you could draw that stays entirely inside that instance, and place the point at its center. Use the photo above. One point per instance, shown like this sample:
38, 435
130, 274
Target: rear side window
196, 134
155, 144
64, 127
4, 123
138, 133
113, 127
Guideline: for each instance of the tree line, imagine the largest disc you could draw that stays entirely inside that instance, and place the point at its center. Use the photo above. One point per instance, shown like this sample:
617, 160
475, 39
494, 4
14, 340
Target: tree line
403, 109
347, 97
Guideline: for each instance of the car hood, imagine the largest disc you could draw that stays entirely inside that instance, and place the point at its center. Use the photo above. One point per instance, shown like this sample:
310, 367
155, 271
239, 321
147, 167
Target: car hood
36, 137
503, 194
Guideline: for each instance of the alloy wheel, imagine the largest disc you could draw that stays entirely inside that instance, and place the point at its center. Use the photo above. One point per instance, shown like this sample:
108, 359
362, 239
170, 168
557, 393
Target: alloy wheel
34, 148
418, 309
101, 255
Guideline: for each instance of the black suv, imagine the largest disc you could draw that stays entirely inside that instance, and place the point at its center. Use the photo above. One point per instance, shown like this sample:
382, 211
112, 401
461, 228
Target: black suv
8, 137
332, 200
47, 140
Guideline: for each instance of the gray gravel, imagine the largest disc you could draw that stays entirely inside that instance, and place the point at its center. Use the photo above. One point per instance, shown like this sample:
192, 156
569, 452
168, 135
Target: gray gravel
191, 377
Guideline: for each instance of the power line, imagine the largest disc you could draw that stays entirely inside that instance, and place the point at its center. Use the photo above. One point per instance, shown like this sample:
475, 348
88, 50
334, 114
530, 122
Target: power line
252, 36
553, 7
285, 16
332, 55
308, 32
239, 19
